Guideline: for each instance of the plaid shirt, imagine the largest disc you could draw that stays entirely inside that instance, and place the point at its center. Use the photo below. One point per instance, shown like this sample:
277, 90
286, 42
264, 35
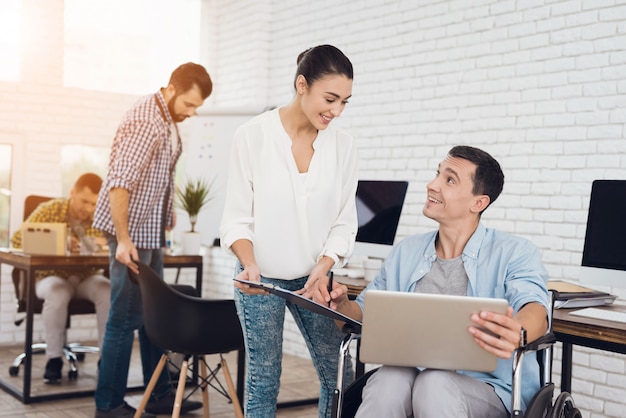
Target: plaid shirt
56, 210
142, 161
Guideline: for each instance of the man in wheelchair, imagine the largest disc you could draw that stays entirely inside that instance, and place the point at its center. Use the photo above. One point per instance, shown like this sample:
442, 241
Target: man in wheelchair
462, 257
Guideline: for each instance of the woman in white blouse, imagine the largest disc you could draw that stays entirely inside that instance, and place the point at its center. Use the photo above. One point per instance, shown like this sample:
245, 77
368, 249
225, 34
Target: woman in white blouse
290, 217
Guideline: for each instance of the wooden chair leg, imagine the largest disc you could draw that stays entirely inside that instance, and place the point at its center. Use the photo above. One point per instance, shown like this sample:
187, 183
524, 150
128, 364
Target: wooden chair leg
180, 389
204, 386
151, 384
231, 389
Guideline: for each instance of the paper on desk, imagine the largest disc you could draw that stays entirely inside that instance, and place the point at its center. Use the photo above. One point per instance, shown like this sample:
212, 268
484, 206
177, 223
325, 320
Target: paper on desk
571, 295
584, 302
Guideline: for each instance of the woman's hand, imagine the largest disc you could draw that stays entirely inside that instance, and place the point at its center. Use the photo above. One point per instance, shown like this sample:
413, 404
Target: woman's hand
253, 274
316, 286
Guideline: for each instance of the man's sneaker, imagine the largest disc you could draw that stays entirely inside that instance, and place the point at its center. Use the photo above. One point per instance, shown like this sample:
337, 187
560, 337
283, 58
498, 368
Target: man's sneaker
122, 411
165, 405
53, 370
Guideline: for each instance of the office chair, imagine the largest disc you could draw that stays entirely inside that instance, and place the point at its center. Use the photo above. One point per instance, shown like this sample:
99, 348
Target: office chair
346, 401
191, 326
73, 352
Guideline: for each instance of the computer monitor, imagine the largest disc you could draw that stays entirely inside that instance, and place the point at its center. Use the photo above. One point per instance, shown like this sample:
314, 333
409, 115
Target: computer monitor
604, 251
378, 205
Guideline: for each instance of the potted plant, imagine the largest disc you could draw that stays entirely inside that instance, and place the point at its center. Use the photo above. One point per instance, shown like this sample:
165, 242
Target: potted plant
192, 197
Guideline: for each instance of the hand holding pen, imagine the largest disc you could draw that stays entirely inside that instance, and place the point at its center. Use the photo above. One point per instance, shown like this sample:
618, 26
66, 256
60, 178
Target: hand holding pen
330, 286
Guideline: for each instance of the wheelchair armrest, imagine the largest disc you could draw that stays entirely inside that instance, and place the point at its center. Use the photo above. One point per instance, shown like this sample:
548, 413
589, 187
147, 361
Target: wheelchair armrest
541, 343
351, 329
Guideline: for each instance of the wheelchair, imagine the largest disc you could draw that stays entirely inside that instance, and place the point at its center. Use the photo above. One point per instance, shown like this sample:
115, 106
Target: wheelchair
346, 400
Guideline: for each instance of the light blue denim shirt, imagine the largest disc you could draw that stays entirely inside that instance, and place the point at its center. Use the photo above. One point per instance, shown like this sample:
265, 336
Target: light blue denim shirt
498, 265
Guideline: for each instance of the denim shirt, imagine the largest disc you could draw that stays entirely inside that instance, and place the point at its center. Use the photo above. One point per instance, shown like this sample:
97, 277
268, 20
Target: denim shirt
498, 265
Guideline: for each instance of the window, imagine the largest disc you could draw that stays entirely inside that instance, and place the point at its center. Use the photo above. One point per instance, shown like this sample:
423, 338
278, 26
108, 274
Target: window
6, 153
10, 38
80, 159
128, 46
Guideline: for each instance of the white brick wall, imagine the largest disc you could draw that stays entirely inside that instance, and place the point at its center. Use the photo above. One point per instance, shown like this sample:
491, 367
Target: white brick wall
540, 84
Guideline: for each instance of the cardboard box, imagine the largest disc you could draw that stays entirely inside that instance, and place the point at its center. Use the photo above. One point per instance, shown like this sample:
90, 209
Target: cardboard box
46, 238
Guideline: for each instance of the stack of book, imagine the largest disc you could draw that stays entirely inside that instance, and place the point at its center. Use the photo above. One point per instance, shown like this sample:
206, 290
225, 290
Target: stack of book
572, 295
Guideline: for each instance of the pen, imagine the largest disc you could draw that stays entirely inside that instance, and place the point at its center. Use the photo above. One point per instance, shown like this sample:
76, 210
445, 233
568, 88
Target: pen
330, 285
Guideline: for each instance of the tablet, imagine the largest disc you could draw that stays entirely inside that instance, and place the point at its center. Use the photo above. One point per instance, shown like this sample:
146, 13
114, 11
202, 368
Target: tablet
424, 330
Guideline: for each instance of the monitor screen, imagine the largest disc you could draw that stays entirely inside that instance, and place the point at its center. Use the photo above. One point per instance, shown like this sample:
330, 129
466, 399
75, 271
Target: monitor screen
379, 204
604, 251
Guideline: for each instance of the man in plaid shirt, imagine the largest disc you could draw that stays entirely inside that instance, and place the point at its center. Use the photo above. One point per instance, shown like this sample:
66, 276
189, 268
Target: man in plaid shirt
134, 209
56, 288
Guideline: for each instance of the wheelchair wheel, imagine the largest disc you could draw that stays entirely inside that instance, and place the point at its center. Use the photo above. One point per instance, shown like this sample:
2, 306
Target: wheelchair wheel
352, 395
541, 404
564, 407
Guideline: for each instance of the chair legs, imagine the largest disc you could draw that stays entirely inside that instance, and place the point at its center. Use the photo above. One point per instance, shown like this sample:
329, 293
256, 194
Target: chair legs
151, 384
73, 353
180, 391
182, 380
205, 392
231, 388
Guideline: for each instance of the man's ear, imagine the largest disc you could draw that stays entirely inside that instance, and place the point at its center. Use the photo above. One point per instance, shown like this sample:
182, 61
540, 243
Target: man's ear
480, 203
170, 91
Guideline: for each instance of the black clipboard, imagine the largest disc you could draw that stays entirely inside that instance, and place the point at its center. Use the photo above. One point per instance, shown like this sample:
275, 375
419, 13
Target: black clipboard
311, 305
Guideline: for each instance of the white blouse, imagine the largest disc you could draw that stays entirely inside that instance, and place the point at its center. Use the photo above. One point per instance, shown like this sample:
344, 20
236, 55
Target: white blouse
292, 220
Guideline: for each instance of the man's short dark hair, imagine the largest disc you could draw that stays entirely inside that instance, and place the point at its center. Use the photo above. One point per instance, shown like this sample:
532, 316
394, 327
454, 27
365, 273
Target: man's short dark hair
190, 74
488, 178
89, 180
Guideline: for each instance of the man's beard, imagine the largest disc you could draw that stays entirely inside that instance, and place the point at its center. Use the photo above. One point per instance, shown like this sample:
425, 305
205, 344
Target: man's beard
170, 107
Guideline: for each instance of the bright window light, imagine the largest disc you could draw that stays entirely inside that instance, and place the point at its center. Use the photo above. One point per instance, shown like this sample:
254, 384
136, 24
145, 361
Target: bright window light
10, 38
6, 152
77, 160
128, 46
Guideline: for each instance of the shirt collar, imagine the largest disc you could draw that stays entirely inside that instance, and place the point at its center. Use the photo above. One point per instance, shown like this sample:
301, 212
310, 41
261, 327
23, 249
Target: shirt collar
163, 110
473, 245
471, 248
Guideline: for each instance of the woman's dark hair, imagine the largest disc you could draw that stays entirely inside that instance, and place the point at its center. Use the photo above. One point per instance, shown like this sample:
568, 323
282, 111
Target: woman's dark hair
320, 61
189, 74
489, 178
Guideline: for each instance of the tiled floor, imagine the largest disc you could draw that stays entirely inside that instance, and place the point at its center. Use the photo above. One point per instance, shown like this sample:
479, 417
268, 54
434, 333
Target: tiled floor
298, 382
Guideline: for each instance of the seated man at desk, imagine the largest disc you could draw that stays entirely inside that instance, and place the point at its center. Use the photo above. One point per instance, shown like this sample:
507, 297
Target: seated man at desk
56, 288
462, 257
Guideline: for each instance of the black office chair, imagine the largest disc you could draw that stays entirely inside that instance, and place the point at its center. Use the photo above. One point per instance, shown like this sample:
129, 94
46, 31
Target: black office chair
191, 326
73, 352
346, 401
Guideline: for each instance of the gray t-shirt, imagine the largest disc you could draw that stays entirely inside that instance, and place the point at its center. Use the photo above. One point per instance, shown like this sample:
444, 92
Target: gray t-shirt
446, 277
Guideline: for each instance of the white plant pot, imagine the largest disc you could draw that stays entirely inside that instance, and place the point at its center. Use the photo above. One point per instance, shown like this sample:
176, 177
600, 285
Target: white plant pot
191, 242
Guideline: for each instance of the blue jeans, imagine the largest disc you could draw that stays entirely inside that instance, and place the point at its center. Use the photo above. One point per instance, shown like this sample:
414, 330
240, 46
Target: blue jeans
125, 317
262, 318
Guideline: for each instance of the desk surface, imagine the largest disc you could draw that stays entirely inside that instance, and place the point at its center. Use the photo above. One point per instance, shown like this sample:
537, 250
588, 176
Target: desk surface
607, 331
33, 262
24, 261
355, 286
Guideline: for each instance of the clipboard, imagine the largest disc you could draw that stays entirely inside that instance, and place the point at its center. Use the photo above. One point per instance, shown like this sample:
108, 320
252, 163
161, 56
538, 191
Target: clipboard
311, 305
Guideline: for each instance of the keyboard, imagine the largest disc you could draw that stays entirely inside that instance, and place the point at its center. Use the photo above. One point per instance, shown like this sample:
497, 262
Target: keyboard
596, 313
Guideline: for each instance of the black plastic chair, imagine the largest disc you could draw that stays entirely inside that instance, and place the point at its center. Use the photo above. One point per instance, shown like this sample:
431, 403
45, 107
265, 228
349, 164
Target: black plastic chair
193, 327
73, 352
346, 401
